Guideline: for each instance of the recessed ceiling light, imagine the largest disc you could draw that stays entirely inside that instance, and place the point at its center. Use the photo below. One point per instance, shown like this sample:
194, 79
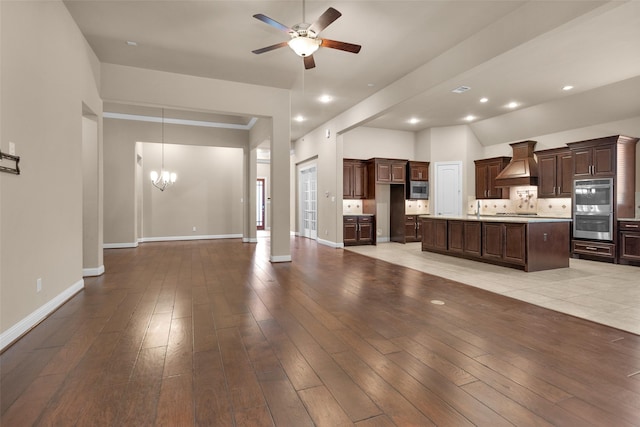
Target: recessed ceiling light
512, 105
299, 118
131, 43
371, 84
484, 99
470, 118
413, 120
326, 99
567, 87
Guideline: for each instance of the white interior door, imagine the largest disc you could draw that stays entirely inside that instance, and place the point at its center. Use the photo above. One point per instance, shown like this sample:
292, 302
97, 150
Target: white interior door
448, 185
309, 202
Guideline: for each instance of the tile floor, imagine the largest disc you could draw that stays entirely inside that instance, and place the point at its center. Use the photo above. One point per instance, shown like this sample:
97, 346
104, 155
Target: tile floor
604, 293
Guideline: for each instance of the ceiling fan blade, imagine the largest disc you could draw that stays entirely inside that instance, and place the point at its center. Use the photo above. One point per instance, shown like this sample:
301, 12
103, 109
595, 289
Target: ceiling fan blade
273, 23
269, 48
324, 20
348, 47
309, 62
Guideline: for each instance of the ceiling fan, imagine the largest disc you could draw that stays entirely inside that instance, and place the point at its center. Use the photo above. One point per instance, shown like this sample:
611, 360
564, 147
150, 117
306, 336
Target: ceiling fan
304, 37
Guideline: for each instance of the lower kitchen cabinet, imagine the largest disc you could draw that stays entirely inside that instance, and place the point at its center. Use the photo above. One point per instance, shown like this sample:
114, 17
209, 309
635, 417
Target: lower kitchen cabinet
597, 250
358, 230
629, 241
413, 230
529, 245
434, 234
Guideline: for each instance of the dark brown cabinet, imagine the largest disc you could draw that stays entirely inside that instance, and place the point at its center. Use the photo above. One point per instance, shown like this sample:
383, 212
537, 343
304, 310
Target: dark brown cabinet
418, 171
388, 171
486, 172
412, 228
555, 173
354, 179
465, 237
505, 242
358, 230
594, 158
434, 234
629, 241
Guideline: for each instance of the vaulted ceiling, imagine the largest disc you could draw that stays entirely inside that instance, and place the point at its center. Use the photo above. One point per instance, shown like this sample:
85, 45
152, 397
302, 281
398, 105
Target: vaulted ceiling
414, 53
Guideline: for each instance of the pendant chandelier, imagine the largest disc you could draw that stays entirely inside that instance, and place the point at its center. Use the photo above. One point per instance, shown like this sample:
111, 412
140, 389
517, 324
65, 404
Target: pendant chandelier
164, 178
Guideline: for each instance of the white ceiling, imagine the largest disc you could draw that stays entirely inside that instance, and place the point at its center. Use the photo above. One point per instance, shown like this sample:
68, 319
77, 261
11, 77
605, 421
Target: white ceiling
413, 54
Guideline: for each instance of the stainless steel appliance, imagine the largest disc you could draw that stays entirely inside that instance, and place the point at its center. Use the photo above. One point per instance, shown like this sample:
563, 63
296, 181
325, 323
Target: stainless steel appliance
418, 190
593, 209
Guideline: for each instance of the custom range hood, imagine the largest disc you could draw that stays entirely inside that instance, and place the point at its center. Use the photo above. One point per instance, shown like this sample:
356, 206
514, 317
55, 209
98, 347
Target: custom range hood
522, 170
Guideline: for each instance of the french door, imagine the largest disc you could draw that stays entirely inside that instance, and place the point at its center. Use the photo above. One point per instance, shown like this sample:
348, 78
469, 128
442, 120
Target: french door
309, 202
260, 205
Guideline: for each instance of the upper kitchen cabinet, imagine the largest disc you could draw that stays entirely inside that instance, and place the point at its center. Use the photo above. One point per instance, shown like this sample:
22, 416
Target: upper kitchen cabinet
418, 171
486, 172
354, 179
388, 171
594, 158
555, 172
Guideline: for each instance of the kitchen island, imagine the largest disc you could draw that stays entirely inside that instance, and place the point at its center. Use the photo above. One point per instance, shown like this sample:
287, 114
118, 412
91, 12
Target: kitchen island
528, 243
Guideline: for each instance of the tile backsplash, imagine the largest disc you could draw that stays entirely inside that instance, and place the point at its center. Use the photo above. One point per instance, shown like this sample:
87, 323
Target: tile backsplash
353, 207
416, 207
522, 200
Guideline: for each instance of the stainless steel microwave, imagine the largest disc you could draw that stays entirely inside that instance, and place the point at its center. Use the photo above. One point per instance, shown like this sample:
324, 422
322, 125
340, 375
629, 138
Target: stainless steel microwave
418, 190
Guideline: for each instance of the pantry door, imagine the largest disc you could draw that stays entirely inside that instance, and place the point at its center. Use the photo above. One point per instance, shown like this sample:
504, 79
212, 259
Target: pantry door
448, 186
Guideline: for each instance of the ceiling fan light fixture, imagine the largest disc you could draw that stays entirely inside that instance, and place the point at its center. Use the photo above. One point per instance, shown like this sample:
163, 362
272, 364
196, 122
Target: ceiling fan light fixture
304, 46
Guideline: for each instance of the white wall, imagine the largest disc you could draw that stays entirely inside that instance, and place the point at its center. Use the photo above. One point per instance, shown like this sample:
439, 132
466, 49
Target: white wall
365, 143
48, 74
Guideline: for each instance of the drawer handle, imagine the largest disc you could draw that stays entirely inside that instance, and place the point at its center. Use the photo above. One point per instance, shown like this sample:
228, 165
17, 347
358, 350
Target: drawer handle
591, 248
631, 226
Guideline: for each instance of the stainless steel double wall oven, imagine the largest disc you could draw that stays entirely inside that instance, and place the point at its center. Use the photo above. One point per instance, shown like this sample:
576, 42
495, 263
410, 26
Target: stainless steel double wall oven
593, 209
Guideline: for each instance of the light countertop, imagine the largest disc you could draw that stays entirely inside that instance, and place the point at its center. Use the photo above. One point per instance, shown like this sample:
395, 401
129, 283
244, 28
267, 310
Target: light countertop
501, 218
628, 219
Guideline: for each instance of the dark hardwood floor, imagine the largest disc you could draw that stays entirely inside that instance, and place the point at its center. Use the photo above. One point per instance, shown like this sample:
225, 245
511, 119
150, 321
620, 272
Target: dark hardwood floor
211, 333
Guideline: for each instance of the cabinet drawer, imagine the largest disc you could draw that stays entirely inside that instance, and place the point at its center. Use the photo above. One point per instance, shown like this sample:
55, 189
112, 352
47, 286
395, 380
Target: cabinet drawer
364, 219
629, 226
350, 219
591, 248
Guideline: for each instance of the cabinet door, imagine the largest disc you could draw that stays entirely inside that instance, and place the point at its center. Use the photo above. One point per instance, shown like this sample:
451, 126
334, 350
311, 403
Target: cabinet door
383, 171
492, 243
410, 228
547, 176
481, 181
419, 172
365, 231
493, 170
428, 234
418, 229
359, 181
350, 230
473, 238
514, 243
604, 161
440, 231
347, 180
582, 161
456, 236
630, 246
398, 172
564, 176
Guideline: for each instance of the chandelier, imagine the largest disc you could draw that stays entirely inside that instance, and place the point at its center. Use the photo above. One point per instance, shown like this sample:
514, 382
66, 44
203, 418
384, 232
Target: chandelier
164, 178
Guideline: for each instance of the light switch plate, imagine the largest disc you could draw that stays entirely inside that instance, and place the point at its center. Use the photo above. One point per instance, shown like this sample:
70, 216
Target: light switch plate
12, 148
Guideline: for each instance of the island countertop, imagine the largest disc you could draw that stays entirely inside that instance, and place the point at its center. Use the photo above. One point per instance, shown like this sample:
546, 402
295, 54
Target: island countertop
524, 219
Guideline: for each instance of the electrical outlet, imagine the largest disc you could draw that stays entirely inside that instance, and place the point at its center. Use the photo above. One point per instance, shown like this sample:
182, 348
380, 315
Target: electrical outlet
194, 228
38, 284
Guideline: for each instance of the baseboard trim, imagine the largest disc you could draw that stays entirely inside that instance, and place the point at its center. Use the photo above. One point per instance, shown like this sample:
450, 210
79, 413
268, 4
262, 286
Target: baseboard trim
92, 272
330, 244
25, 325
120, 245
201, 237
281, 258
